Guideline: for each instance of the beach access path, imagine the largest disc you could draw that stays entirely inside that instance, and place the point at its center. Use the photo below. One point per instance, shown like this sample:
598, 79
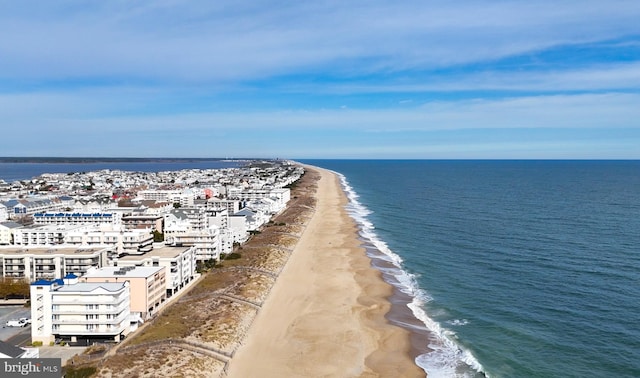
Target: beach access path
325, 315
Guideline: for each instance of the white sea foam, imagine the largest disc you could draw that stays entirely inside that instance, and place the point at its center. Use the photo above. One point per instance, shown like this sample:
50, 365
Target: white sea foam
458, 322
446, 358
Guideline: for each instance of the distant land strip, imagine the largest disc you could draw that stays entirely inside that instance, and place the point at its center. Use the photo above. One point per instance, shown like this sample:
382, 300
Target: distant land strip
76, 160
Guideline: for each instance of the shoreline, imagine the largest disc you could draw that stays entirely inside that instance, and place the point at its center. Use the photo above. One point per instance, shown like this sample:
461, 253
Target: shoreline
328, 312
304, 299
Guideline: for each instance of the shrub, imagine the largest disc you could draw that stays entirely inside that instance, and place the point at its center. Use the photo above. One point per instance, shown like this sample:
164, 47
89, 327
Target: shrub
233, 256
81, 372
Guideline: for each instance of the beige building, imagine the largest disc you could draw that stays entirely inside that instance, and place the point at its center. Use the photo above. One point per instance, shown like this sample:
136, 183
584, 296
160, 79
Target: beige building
147, 286
154, 222
179, 264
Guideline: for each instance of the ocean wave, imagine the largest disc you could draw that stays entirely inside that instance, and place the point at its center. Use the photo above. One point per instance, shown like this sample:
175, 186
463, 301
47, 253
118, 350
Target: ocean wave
446, 358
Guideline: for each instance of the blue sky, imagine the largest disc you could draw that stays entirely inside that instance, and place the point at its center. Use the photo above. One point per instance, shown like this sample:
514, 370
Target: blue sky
321, 79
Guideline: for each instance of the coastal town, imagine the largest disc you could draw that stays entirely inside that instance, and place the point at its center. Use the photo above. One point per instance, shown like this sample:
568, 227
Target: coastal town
98, 256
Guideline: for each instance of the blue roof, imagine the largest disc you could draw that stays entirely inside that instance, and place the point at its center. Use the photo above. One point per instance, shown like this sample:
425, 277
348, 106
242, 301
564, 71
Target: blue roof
42, 283
70, 275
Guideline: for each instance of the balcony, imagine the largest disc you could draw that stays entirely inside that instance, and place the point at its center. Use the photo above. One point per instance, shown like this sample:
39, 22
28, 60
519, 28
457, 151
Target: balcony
77, 331
80, 310
89, 300
105, 321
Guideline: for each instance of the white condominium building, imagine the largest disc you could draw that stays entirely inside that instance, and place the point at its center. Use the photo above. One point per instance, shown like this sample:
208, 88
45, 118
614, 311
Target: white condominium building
138, 241
79, 313
43, 234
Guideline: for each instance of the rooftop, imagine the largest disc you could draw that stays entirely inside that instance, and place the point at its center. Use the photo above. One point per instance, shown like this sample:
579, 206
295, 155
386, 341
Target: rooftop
45, 250
91, 286
166, 251
119, 271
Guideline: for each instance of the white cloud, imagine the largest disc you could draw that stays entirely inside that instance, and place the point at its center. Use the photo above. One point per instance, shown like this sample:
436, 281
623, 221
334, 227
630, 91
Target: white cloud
618, 110
218, 41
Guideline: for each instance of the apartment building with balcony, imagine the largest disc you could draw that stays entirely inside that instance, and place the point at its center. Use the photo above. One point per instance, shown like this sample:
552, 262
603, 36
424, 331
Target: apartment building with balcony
121, 240
179, 264
7, 231
232, 206
35, 263
76, 218
147, 286
79, 313
35, 235
171, 195
155, 222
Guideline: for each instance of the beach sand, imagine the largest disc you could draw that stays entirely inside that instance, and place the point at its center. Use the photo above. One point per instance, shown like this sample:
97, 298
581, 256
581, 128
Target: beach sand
325, 314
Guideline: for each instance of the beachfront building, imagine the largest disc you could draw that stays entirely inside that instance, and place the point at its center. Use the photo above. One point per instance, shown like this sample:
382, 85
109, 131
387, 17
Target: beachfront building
147, 286
36, 263
254, 219
179, 264
280, 196
232, 206
206, 241
79, 313
188, 227
233, 228
121, 241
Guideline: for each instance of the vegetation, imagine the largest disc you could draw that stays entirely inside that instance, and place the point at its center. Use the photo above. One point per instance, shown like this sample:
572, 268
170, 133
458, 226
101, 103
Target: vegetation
230, 256
203, 314
14, 288
79, 372
157, 236
205, 266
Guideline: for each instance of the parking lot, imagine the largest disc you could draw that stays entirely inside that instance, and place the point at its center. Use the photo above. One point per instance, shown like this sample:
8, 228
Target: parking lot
10, 313
23, 334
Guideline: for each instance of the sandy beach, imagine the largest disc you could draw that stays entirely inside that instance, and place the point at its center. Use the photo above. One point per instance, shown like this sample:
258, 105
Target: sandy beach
302, 301
325, 315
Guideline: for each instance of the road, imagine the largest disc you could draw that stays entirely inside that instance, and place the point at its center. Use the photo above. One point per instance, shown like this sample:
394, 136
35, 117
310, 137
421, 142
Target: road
22, 339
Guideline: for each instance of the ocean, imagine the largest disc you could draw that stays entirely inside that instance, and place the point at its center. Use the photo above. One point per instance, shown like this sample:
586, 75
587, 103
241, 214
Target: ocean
512, 268
516, 268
